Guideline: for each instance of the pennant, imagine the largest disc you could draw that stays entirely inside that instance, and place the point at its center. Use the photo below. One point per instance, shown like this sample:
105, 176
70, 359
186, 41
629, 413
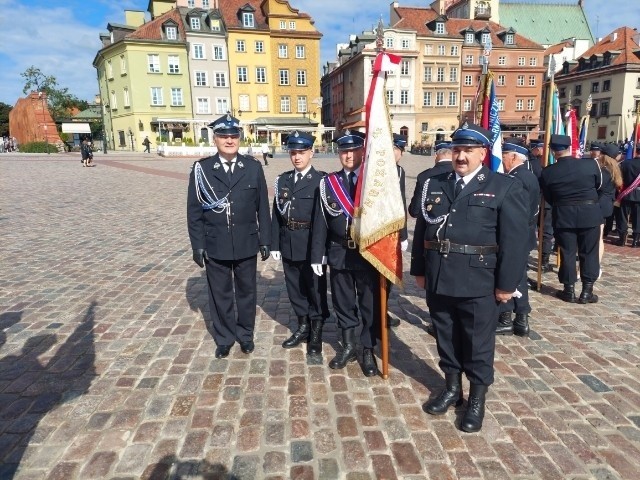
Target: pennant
491, 121
582, 140
557, 126
631, 144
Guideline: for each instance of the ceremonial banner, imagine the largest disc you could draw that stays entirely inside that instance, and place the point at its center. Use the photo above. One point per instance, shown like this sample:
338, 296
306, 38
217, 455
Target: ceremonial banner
557, 127
572, 131
633, 141
491, 121
379, 212
582, 140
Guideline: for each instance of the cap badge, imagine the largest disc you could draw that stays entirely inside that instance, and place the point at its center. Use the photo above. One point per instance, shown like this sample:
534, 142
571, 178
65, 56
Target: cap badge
296, 134
228, 117
465, 125
347, 132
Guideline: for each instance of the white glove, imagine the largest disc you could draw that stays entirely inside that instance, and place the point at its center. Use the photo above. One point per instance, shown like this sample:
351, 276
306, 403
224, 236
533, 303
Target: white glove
517, 294
404, 244
276, 255
317, 269
324, 260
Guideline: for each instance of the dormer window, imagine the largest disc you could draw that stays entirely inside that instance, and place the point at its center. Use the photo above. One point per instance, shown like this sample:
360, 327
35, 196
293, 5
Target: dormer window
248, 20
440, 27
509, 39
195, 23
485, 38
215, 25
172, 33
469, 37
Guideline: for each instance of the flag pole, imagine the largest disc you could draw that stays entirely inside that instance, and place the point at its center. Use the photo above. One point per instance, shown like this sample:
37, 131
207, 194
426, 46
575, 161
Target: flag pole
545, 159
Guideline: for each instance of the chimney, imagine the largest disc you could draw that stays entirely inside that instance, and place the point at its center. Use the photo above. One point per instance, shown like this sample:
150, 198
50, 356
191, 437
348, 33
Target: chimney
614, 36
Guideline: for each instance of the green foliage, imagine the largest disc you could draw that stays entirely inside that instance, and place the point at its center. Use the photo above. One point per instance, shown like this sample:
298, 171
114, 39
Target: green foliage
64, 137
188, 141
4, 119
38, 147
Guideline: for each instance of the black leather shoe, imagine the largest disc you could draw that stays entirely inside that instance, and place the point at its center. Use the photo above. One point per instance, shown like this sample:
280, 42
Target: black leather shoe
451, 395
300, 335
546, 266
521, 325
222, 351
568, 294
369, 365
392, 322
472, 420
622, 239
430, 330
505, 324
314, 347
587, 296
635, 242
348, 353
247, 347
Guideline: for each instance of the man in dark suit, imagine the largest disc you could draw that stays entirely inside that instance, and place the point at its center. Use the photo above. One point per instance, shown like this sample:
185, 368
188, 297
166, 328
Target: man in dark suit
514, 158
228, 220
473, 251
354, 281
571, 186
630, 204
295, 199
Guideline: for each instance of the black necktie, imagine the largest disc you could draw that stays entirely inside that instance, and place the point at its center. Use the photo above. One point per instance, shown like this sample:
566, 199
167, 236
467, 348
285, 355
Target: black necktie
352, 184
459, 185
229, 171
298, 177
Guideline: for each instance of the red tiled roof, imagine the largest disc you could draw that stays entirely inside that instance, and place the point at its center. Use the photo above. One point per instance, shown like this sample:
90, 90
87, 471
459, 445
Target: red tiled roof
623, 43
557, 48
229, 10
153, 30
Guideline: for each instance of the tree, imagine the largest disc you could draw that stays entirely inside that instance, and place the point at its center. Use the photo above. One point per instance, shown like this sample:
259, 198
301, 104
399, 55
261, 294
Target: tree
59, 100
4, 119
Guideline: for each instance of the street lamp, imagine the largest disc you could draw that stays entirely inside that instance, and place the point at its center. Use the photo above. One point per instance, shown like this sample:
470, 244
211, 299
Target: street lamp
131, 136
44, 122
526, 119
306, 115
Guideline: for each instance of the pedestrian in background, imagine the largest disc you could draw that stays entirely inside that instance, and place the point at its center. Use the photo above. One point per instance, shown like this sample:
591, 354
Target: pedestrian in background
147, 145
630, 204
611, 184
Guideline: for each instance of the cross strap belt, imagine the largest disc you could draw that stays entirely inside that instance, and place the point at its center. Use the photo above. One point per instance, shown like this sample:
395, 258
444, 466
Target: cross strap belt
293, 225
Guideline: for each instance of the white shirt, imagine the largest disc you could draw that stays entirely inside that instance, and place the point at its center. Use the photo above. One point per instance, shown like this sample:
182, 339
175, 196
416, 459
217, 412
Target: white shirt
227, 167
467, 178
303, 172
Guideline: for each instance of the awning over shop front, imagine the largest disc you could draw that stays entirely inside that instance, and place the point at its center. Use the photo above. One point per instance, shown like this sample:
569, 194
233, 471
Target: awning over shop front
76, 127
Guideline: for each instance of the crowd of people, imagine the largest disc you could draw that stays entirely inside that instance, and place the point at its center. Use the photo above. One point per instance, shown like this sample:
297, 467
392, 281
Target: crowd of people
474, 232
8, 144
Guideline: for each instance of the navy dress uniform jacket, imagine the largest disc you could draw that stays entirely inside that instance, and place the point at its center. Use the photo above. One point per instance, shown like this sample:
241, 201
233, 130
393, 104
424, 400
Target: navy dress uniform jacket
571, 186
443, 166
630, 171
295, 243
532, 192
248, 226
490, 210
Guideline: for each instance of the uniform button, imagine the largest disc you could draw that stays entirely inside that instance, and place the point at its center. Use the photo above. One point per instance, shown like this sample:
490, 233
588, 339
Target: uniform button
293, 198
451, 224
445, 255
453, 210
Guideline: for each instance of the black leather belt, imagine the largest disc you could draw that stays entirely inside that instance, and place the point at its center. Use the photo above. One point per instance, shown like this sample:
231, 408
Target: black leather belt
292, 225
571, 203
345, 242
445, 246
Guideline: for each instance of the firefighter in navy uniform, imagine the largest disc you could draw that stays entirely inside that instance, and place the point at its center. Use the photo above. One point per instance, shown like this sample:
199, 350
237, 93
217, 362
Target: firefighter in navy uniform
474, 247
535, 163
295, 199
229, 222
514, 158
354, 281
630, 205
571, 185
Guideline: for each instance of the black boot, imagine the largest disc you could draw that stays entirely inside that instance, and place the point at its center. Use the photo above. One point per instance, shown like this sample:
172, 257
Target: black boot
521, 325
568, 294
546, 266
586, 295
622, 241
314, 347
300, 335
348, 353
369, 365
505, 324
451, 395
636, 240
472, 420
392, 322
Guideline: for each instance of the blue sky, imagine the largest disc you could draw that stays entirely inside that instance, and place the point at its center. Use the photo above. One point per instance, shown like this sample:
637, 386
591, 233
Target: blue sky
61, 38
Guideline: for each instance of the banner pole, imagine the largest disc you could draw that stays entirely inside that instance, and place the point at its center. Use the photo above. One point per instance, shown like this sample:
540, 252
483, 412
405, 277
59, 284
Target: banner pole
384, 333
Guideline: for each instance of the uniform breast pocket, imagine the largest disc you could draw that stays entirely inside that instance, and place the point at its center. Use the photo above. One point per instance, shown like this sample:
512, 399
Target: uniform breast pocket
481, 209
434, 205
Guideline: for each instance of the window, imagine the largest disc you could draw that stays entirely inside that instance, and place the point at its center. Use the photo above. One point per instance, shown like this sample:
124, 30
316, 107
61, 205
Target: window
263, 103
388, 42
404, 67
390, 97
176, 97
441, 50
198, 51
502, 60
172, 33
454, 50
519, 104
428, 49
240, 46
283, 74
533, 61
440, 74
453, 74
114, 100
205, 3
283, 51
156, 96
283, 25
469, 37
191, 3
532, 80
244, 103
531, 104
509, 39
485, 38
501, 105
222, 105
301, 77
174, 64
405, 43
424, 126
220, 79
261, 75
127, 100
154, 63
292, 25
300, 53
562, 92
453, 99
247, 20
520, 81
467, 105
502, 80
259, 46
440, 27
243, 76
285, 104
595, 87
578, 90
302, 104
439, 99
604, 108
426, 99
109, 69
202, 105
606, 85
521, 61
201, 79
427, 74
594, 110
404, 97
218, 52
468, 80
215, 25
468, 60
123, 65
195, 24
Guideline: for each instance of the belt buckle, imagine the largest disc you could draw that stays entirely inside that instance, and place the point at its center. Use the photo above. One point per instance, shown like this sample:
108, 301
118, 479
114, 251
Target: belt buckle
445, 246
351, 243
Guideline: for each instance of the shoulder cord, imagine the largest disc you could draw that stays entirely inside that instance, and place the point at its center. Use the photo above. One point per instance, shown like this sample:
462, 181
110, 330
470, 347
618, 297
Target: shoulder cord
205, 199
323, 195
286, 205
442, 219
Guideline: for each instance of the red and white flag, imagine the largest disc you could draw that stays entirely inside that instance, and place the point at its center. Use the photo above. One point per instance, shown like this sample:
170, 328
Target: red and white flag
572, 131
379, 213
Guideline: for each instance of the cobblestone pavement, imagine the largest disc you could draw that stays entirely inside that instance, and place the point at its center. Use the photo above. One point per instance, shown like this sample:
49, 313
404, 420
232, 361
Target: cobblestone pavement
107, 367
